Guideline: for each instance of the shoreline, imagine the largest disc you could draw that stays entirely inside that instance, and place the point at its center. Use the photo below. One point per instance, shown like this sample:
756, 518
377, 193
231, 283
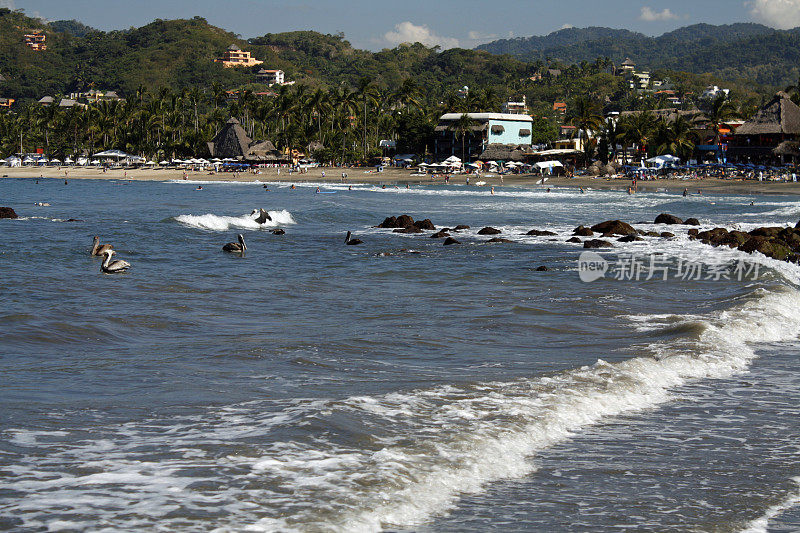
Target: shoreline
394, 175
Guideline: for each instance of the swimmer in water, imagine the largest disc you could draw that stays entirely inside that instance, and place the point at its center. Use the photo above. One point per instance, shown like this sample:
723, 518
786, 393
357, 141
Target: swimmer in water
582, 191
199, 188
292, 187
492, 190
686, 192
548, 189
349, 187
317, 190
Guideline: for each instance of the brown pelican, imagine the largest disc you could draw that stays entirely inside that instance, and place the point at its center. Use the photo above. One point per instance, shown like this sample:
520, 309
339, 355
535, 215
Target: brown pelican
100, 249
113, 267
351, 242
236, 247
262, 217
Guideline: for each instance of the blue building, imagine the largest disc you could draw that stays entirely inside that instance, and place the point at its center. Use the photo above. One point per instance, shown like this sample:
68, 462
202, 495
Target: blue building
485, 129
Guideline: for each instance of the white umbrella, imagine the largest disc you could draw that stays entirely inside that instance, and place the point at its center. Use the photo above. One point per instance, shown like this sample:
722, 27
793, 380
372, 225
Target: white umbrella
53, 161
68, 161
163, 163
95, 162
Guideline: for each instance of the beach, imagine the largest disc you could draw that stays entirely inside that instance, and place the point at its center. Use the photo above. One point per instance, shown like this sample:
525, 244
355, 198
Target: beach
392, 176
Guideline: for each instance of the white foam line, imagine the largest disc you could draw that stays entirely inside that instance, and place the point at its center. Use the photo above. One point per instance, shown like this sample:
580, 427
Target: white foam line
761, 524
214, 222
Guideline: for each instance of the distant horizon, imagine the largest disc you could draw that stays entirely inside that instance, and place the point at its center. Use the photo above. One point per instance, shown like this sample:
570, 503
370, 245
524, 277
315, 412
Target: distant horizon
448, 24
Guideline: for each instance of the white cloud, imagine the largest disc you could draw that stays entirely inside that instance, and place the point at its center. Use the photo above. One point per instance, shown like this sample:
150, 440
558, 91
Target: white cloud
651, 15
8, 4
479, 36
781, 14
406, 32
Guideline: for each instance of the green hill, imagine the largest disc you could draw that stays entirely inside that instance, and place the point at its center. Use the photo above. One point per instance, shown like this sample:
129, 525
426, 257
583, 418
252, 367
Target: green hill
744, 50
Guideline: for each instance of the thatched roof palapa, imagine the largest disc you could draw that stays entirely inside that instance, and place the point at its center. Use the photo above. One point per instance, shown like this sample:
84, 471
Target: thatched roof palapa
791, 148
505, 152
779, 116
232, 142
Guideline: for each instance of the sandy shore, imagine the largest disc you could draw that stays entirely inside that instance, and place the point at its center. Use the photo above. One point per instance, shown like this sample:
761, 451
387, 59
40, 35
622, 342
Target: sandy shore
393, 176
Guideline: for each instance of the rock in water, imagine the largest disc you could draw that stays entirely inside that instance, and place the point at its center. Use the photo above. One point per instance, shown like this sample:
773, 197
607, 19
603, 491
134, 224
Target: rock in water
664, 218
488, 230
583, 231
7, 212
597, 243
448, 241
614, 227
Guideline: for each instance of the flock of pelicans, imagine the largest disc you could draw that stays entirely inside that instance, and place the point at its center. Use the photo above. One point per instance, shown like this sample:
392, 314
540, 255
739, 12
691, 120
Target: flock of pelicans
117, 266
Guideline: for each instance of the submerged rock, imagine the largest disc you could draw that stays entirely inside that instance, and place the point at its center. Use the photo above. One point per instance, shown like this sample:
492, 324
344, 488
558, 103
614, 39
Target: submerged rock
540, 233
448, 241
488, 230
613, 227
7, 212
665, 218
499, 240
542, 269
583, 231
597, 243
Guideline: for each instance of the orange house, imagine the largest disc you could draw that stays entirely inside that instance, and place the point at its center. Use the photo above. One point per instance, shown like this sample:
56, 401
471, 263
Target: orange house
235, 57
35, 41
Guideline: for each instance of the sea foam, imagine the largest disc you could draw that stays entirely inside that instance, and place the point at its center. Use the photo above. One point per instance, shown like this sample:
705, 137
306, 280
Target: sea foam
222, 223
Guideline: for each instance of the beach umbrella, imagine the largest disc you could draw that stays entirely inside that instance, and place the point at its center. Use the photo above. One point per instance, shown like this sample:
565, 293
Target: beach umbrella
118, 154
95, 162
54, 161
163, 163
68, 161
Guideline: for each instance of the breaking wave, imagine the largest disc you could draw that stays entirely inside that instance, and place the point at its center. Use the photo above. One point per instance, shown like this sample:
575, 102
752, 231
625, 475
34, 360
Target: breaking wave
222, 223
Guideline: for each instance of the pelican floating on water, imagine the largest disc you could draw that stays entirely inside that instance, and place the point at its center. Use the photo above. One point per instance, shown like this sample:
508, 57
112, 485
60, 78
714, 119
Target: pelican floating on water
100, 249
262, 217
351, 242
236, 247
113, 267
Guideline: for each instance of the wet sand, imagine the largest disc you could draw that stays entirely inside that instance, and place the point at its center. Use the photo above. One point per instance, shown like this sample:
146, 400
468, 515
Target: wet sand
402, 176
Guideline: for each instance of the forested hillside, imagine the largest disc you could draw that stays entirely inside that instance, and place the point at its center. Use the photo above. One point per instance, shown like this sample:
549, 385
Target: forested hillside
744, 51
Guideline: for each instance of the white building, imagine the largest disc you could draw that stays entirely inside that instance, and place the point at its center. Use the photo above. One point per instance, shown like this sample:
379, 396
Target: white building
271, 77
712, 91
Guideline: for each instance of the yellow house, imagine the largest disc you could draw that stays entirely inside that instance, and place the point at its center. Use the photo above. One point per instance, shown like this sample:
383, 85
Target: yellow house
235, 57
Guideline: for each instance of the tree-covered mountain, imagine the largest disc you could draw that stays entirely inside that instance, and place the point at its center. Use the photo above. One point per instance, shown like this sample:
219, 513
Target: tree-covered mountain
743, 50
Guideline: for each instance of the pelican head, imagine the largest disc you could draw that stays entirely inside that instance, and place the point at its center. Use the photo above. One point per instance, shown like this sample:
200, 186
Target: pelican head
241, 241
347, 239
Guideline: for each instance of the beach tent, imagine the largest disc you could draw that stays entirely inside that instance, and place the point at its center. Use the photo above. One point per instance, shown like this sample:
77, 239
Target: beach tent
661, 161
163, 163
68, 161
116, 154
55, 162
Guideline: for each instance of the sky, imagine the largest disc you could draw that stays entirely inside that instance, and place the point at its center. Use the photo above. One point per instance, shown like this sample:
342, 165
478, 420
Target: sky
380, 24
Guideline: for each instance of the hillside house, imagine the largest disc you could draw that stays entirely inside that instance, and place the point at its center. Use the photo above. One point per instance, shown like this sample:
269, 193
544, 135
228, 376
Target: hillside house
236, 57
36, 41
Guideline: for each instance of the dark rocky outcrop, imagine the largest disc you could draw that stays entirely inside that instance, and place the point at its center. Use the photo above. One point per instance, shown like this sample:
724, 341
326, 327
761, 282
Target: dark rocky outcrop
652, 234
664, 218
766, 232
630, 238
773, 248
7, 212
613, 227
694, 232
542, 269
597, 243
440, 235
583, 231
448, 241
425, 224
388, 222
498, 240
540, 233
460, 227
691, 222
488, 230
666, 235
575, 240
404, 221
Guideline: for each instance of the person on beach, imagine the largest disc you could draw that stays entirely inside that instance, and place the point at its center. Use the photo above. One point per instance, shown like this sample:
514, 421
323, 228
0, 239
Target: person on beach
685, 192
467, 180
323, 174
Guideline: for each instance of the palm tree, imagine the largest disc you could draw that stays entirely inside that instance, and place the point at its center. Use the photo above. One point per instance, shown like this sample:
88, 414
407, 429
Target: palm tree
677, 137
721, 110
585, 116
461, 128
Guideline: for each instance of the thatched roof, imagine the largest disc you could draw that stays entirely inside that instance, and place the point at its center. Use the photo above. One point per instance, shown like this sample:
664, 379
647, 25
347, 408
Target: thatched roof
313, 146
779, 116
505, 152
449, 127
231, 141
692, 115
788, 148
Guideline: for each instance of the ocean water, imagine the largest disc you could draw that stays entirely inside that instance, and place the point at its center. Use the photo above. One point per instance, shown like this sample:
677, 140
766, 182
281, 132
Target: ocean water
399, 385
